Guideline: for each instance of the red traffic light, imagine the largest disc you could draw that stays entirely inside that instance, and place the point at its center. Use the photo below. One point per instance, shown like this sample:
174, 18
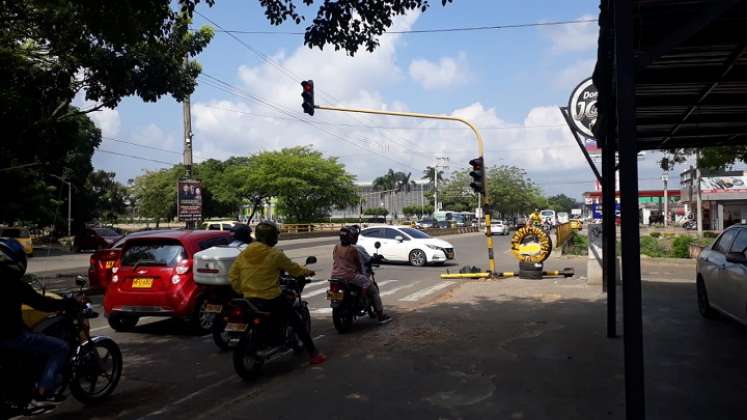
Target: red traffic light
476, 163
308, 96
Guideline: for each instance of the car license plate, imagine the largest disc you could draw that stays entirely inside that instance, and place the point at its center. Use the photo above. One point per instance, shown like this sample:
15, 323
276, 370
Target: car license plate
109, 264
142, 283
335, 295
235, 327
213, 308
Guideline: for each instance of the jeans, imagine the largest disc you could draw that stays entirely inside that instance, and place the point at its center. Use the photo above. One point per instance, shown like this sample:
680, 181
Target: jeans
54, 351
282, 308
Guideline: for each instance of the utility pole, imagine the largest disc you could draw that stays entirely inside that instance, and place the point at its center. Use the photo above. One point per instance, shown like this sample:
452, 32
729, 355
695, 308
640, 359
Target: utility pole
441, 162
665, 178
187, 158
69, 203
699, 201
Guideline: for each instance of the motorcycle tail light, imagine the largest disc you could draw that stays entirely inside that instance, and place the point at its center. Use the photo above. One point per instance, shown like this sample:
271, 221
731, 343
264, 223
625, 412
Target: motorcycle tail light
257, 321
334, 287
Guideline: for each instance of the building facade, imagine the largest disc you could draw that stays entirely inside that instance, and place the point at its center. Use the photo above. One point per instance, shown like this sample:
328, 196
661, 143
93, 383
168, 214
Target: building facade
723, 194
393, 202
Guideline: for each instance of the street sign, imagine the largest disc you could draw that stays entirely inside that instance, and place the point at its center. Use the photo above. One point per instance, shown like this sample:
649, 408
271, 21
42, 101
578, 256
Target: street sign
189, 200
583, 107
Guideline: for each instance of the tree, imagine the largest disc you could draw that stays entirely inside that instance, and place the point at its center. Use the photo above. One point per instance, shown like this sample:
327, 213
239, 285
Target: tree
107, 196
376, 211
428, 174
306, 184
418, 211
561, 202
511, 191
456, 194
155, 193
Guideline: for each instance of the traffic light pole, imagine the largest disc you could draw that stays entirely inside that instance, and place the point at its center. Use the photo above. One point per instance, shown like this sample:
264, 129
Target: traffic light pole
481, 147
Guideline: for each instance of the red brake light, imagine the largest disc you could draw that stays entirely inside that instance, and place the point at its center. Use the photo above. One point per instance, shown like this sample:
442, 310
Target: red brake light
334, 287
236, 312
257, 321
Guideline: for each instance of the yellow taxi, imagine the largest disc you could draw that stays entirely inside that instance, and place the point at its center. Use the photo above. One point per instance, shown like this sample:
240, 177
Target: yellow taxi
20, 234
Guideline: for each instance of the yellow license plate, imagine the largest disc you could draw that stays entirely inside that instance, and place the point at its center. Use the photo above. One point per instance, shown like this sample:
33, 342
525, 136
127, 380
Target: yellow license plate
109, 264
236, 327
142, 283
335, 295
214, 308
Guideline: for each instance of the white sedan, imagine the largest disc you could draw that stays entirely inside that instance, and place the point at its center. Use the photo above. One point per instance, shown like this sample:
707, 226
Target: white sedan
497, 227
399, 243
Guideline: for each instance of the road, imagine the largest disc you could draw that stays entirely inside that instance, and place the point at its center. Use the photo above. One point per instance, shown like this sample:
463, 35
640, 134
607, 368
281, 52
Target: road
172, 373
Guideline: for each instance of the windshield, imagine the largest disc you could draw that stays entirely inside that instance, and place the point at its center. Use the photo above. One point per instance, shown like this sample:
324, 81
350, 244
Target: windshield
105, 232
153, 253
547, 213
416, 234
459, 217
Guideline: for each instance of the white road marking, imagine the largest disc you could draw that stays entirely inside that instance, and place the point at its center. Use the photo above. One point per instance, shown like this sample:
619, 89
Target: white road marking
321, 311
321, 291
425, 292
395, 290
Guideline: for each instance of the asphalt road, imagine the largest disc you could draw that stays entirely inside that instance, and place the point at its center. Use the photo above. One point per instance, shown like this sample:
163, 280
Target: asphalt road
169, 372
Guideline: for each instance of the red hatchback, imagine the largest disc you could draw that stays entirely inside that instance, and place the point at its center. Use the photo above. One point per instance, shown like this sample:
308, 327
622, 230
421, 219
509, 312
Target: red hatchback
153, 277
102, 261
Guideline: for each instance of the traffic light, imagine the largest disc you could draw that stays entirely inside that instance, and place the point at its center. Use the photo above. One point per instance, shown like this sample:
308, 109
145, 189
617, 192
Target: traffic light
478, 175
308, 96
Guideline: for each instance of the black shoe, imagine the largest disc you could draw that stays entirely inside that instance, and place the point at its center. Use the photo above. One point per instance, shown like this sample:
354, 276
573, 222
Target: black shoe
385, 319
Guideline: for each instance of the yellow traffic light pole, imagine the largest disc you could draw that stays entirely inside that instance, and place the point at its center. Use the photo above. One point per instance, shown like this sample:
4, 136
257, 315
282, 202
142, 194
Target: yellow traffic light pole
480, 144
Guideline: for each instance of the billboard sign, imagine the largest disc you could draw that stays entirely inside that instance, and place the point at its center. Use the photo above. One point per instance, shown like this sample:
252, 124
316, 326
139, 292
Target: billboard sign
189, 200
596, 210
723, 184
583, 108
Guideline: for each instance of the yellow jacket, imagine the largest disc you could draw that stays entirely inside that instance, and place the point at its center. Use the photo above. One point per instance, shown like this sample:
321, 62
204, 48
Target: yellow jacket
256, 271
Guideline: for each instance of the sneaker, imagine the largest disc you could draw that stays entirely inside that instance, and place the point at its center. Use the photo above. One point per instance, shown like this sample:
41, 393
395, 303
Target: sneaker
385, 319
317, 359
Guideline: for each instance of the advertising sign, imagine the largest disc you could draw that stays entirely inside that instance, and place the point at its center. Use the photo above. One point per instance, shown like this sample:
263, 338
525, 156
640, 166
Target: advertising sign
189, 200
583, 108
596, 210
723, 184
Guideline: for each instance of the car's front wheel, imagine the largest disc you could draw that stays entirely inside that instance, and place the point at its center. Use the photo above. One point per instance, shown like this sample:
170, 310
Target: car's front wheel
418, 258
704, 306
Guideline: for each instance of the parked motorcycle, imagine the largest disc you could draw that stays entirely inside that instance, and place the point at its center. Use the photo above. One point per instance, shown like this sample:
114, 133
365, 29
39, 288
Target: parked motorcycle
92, 371
690, 225
261, 337
348, 301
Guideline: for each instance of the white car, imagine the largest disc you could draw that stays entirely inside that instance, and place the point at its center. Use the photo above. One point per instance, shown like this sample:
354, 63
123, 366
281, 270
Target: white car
497, 227
722, 275
400, 243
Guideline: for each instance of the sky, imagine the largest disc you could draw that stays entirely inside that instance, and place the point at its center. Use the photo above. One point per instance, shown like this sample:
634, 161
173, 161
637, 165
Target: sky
509, 82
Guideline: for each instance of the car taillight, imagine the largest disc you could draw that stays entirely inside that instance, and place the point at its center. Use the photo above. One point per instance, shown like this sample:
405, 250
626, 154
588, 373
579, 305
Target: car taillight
92, 261
335, 287
115, 278
236, 313
182, 267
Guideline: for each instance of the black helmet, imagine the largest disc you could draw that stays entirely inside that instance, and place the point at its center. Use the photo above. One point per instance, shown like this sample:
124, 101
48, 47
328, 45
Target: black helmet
348, 235
242, 233
267, 233
12, 259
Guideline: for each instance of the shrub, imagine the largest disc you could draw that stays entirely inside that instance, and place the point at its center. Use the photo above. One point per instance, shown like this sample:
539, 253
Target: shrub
709, 234
651, 247
655, 234
681, 246
576, 245
668, 235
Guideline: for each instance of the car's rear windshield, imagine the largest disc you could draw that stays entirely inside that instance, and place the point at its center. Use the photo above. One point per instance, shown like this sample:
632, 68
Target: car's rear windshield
161, 253
14, 233
417, 234
547, 213
105, 232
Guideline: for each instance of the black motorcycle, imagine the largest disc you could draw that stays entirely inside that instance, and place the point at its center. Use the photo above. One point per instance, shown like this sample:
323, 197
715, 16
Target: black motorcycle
217, 304
92, 371
262, 337
348, 301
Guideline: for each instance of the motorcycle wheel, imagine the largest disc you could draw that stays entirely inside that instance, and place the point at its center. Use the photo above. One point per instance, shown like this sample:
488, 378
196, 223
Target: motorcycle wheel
246, 363
221, 338
342, 319
98, 372
297, 345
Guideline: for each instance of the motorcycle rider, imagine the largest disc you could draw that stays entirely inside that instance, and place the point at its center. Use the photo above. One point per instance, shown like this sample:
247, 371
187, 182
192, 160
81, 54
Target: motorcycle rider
14, 335
535, 219
350, 264
242, 236
256, 275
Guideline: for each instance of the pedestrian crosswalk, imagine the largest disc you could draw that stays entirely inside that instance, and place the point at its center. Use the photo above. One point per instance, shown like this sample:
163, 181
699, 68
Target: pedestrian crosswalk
391, 291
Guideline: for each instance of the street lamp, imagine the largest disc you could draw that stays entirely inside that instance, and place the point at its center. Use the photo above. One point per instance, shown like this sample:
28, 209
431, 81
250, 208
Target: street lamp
69, 203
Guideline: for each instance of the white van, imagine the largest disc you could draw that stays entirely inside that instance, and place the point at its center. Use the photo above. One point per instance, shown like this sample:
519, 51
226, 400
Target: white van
549, 215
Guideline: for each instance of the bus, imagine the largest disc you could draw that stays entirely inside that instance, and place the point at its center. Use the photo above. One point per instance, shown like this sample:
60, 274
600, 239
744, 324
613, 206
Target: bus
457, 218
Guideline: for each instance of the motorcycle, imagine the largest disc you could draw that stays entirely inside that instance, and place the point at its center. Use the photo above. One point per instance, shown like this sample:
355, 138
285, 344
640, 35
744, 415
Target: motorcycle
348, 301
690, 225
261, 337
92, 371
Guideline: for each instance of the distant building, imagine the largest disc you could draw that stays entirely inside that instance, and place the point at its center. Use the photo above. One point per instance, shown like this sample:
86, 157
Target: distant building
723, 193
394, 202
650, 205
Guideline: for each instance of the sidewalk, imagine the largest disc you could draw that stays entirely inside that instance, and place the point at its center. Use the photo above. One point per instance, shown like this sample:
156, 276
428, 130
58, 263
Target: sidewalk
521, 349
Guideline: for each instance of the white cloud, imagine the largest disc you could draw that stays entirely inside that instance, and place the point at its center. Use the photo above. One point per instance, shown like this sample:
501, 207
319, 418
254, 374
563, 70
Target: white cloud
446, 72
576, 37
107, 120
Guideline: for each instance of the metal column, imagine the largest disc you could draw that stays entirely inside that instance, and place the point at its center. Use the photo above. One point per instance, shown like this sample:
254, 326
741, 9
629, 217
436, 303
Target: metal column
609, 239
635, 407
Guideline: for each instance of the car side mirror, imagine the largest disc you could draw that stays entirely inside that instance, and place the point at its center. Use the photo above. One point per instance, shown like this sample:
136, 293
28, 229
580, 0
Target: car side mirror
399, 238
377, 244
736, 257
81, 281
310, 260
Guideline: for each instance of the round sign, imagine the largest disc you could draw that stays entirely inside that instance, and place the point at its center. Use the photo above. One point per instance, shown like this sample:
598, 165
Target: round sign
583, 107
530, 244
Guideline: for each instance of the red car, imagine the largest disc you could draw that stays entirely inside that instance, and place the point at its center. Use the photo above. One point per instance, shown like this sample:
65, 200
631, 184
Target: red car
102, 261
153, 277
95, 238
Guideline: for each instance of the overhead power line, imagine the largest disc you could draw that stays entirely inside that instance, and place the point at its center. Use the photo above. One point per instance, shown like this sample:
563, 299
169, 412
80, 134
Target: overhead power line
136, 157
25, 165
433, 30
141, 145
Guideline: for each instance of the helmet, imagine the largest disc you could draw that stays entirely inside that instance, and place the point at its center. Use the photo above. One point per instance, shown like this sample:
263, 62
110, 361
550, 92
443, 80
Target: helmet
242, 233
12, 259
267, 233
348, 235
